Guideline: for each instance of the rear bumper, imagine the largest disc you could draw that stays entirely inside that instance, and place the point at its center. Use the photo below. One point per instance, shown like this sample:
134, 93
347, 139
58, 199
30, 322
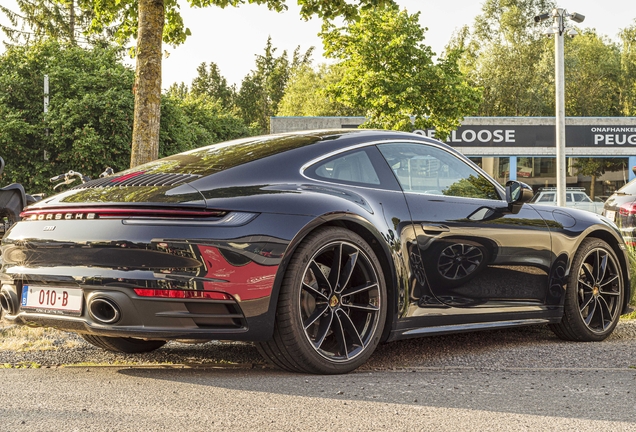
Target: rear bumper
125, 265
150, 318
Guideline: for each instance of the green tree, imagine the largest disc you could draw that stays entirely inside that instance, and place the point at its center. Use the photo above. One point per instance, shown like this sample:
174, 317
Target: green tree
153, 22
592, 76
263, 88
501, 54
63, 20
90, 112
306, 93
210, 82
628, 71
210, 122
389, 74
508, 55
89, 122
179, 91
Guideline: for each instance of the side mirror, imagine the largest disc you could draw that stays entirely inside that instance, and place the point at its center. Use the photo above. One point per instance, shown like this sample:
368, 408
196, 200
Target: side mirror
517, 194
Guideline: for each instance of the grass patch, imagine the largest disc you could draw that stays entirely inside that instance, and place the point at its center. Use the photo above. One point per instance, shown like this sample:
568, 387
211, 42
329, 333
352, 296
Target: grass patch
117, 363
23, 338
629, 316
21, 365
631, 251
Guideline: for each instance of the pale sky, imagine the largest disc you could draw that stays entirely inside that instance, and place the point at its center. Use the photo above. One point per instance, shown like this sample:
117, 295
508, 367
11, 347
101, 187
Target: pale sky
232, 37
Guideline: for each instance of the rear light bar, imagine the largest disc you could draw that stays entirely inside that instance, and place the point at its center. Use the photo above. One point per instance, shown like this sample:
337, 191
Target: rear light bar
182, 294
100, 213
627, 209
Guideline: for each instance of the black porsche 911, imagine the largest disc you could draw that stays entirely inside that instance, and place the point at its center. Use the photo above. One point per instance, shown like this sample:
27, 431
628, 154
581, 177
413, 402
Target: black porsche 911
317, 246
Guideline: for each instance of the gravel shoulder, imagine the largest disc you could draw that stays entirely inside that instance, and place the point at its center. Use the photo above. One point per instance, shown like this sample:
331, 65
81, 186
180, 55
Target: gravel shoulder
524, 347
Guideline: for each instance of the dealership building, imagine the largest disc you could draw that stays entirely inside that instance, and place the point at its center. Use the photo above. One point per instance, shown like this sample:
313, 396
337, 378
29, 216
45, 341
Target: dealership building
524, 148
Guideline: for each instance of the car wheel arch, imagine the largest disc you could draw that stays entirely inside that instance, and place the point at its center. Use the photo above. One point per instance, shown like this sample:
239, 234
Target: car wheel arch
364, 229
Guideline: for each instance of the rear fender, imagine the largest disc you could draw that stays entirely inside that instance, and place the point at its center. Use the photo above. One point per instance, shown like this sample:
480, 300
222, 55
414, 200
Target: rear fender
362, 227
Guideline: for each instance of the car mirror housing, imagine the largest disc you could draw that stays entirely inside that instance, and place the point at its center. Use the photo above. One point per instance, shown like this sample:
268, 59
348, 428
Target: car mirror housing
517, 194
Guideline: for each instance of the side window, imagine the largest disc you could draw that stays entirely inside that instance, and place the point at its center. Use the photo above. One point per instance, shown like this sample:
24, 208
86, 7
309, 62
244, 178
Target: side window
547, 197
580, 197
428, 169
568, 197
353, 167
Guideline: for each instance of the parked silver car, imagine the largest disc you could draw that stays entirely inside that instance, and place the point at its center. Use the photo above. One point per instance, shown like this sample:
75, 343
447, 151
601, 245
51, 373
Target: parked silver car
574, 197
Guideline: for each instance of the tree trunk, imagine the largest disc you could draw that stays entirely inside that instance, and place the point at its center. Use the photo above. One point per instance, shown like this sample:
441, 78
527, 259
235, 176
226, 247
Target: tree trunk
592, 187
145, 136
71, 19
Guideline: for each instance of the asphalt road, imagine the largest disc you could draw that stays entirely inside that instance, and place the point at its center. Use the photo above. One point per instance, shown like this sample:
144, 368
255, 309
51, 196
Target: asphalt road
457, 399
519, 379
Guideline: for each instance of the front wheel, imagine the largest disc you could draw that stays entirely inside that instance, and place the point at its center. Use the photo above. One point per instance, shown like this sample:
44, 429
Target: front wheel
332, 305
594, 294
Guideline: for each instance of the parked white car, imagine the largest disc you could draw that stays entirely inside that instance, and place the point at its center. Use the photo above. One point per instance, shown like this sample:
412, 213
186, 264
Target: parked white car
574, 197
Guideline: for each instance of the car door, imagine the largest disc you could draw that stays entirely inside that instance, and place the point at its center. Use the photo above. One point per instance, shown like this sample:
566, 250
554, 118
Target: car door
477, 255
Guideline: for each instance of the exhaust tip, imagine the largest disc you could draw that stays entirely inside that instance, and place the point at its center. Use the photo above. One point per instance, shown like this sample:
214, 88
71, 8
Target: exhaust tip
8, 301
104, 310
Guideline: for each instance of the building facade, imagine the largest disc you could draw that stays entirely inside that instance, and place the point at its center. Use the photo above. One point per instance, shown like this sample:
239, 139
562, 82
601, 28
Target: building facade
524, 148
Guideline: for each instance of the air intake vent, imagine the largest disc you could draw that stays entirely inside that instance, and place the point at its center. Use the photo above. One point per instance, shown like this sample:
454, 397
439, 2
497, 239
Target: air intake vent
138, 179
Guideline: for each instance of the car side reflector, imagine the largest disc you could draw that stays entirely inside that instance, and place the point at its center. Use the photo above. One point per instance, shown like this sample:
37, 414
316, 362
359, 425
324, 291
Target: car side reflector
182, 294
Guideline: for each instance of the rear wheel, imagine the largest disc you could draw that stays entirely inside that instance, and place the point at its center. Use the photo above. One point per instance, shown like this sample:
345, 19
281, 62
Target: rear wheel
332, 305
594, 294
123, 344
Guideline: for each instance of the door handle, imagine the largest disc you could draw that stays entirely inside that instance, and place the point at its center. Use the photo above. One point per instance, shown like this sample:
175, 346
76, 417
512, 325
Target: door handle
435, 229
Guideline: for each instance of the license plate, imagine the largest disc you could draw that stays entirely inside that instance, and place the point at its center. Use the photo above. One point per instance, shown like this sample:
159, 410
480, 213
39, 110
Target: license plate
610, 214
52, 299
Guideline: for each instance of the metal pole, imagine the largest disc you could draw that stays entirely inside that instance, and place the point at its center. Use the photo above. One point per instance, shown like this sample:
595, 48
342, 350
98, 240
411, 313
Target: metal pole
46, 110
46, 94
559, 79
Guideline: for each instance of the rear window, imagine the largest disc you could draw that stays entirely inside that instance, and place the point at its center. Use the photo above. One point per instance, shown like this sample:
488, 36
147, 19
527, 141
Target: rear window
218, 157
355, 167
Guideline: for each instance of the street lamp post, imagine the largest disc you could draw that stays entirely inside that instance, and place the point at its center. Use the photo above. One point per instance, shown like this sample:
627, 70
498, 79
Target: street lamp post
559, 30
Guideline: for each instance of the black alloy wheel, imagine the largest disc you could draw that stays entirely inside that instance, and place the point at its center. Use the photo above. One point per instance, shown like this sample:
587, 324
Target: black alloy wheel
594, 294
332, 305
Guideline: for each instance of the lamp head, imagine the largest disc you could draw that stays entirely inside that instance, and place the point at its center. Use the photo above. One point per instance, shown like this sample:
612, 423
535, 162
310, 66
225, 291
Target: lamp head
577, 17
542, 17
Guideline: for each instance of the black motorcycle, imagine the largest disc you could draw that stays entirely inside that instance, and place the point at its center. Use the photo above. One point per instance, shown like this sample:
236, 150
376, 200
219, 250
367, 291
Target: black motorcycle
13, 199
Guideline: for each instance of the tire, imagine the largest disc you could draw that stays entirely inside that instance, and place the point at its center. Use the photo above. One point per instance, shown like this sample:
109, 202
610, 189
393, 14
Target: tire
594, 294
324, 325
123, 344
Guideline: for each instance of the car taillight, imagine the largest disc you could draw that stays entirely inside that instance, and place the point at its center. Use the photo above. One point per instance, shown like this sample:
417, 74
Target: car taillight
182, 294
627, 209
101, 213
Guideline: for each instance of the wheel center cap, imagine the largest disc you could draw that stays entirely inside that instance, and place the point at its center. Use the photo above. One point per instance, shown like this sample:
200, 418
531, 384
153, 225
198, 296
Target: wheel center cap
595, 291
333, 301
